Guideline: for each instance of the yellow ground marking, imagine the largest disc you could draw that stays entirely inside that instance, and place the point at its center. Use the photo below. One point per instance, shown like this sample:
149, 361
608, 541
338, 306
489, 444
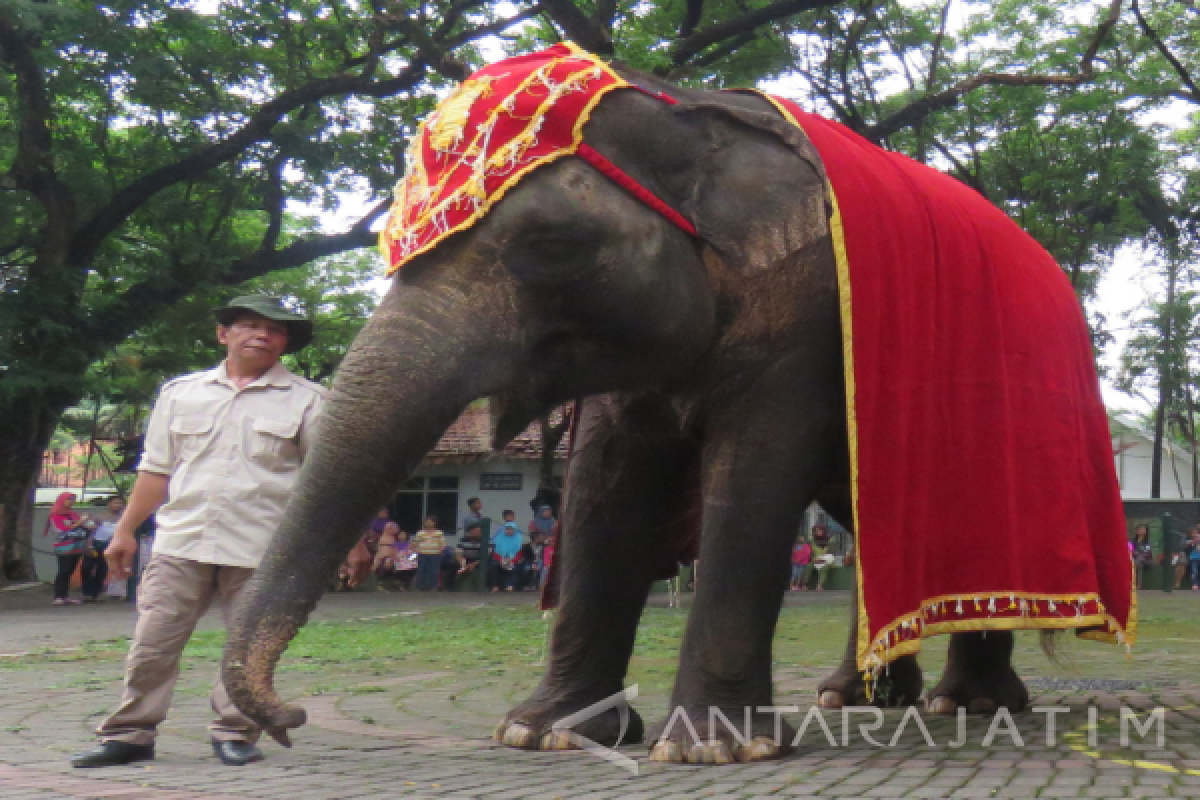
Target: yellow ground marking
1072, 738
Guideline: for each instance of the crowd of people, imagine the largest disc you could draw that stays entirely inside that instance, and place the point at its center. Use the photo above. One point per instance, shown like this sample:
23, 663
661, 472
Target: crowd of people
426, 560
1185, 562
812, 558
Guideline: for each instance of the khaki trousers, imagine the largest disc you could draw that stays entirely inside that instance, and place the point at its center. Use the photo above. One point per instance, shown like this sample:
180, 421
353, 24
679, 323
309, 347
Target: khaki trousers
172, 596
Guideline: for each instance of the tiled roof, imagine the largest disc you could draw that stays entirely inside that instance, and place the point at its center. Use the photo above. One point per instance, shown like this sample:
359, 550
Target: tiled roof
469, 439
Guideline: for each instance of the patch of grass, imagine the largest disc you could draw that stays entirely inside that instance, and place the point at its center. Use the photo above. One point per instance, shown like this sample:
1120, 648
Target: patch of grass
498, 641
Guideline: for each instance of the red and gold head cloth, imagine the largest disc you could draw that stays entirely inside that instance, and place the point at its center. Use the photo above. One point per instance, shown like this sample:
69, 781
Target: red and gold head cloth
503, 122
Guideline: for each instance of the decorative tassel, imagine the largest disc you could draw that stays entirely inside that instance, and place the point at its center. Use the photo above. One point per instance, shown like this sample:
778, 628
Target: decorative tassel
977, 608
991, 607
958, 608
1051, 606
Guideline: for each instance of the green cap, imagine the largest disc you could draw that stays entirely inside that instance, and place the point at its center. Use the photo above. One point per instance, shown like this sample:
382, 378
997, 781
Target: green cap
300, 330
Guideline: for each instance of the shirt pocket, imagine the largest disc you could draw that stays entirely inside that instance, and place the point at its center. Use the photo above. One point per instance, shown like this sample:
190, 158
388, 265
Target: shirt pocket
189, 434
273, 442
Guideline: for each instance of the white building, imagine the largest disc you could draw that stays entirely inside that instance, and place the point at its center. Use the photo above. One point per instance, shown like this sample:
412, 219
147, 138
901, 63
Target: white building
1133, 449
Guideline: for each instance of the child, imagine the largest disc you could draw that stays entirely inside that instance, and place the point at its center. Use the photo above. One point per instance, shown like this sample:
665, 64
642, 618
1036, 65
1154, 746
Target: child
801, 556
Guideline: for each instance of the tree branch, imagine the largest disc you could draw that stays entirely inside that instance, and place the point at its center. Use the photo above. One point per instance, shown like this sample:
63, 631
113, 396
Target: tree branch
936, 56
579, 27
606, 12
274, 202
919, 109
713, 55
431, 54
257, 129
116, 321
1193, 93
683, 49
33, 166
691, 18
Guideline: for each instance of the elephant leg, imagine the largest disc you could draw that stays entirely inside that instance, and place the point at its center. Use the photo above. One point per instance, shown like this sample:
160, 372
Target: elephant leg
628, 486
902, 681
764, 459
900, 684
979, 676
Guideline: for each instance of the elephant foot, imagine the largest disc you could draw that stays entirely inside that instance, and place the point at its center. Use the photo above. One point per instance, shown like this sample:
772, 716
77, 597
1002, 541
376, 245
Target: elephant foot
978, 677
529, 726
686, 737
899, 685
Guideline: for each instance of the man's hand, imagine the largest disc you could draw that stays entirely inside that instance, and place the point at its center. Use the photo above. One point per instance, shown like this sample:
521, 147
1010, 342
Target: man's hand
149, 492
120, 553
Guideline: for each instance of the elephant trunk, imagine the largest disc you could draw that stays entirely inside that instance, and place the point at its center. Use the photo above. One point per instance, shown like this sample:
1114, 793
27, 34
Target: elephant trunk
421, 358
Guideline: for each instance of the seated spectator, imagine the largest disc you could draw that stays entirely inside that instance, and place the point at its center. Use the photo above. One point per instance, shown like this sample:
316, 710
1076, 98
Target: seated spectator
1141, 551
448, 568
357, 566
405, 561
802, 553
527, 568
506, 555
547, 559
470, 576
543, 522
820, 549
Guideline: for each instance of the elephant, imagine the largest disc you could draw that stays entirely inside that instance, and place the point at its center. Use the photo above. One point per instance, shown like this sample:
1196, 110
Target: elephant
712, 376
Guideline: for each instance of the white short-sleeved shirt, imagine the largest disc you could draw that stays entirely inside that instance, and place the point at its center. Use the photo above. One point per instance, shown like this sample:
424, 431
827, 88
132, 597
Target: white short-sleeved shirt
232, 457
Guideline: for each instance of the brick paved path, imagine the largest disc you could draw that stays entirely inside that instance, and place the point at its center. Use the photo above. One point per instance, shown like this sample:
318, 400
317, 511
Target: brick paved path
425, 734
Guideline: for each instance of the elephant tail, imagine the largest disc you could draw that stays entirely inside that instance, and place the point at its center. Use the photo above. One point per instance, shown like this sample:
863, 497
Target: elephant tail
1048, 639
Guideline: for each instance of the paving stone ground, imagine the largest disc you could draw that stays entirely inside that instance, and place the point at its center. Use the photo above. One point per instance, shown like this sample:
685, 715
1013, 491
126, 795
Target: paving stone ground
426, 734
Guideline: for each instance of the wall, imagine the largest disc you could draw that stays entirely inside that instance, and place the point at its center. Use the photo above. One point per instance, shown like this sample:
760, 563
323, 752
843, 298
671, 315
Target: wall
494, 501
1133, 461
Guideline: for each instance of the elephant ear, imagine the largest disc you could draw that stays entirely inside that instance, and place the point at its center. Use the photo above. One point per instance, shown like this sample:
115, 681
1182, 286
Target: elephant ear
774, 185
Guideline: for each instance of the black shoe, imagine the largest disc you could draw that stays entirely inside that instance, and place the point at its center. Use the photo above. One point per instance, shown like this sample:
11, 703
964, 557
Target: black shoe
113, 754
236, 754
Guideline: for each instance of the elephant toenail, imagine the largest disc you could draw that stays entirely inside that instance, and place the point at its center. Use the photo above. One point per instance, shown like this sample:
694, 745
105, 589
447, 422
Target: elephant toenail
667, 752
830, 699
556, 740
517, 735
941, 705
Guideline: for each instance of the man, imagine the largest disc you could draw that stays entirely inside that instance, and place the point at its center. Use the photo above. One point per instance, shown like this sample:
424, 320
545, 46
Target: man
474, 515
221, 455
474, 512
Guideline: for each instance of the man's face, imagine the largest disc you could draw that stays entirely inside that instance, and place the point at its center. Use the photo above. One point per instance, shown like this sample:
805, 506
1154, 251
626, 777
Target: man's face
252, 341
116, 505
476, 505
509, 517
474, 533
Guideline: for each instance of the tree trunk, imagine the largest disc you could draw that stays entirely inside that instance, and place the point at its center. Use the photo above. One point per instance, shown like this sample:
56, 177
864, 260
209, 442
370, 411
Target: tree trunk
1164, 385
26, 425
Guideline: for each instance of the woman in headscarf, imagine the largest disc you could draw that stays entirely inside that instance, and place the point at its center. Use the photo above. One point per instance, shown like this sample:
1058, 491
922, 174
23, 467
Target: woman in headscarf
543, 522
70, 543
506, 554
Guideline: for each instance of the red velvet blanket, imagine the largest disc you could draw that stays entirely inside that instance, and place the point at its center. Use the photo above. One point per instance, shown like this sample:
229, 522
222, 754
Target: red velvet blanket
985, 490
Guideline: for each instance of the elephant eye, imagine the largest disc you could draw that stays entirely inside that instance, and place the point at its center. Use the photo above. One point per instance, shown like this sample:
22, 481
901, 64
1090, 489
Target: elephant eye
552, 256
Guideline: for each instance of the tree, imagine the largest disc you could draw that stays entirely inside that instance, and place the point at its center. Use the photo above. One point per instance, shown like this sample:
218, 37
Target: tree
150, 151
